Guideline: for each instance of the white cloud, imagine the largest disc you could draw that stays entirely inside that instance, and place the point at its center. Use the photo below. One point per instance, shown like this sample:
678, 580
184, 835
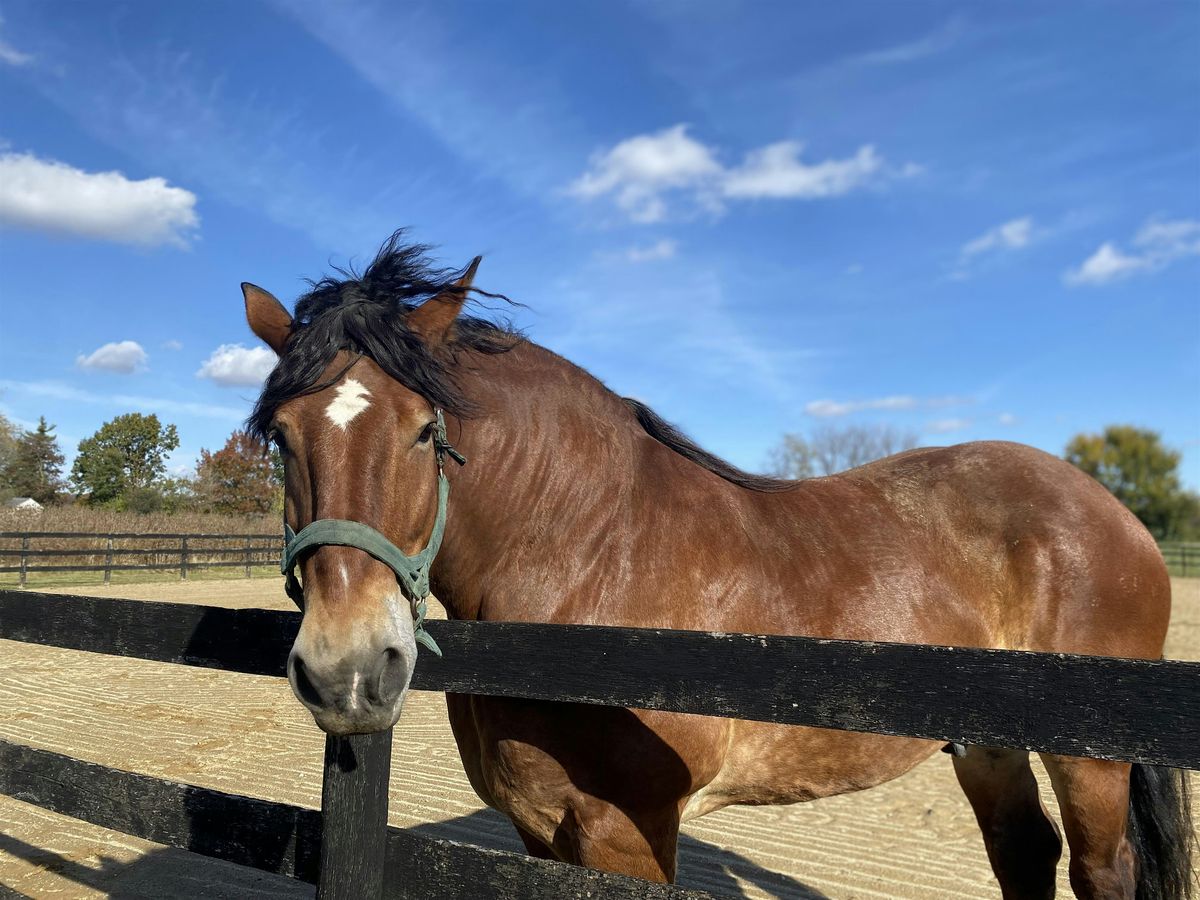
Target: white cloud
638, 170
1159, 243
233, 365
776, 171
945, 426
172, 345
898, 402
47, 195
1011, 235
1105, 265
124, 357
663, 249
642, 172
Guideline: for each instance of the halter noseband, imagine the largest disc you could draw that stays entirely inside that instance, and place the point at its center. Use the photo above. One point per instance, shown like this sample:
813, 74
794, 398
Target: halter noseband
412, 572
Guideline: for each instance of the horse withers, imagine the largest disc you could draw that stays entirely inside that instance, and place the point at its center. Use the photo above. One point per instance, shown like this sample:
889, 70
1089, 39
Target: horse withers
579, 506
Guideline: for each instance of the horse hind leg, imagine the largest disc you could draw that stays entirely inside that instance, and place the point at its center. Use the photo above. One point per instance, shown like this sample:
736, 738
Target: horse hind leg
1093, 796
1023, 843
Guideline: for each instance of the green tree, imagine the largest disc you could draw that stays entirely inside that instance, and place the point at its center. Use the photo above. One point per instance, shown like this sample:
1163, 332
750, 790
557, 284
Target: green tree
123, 458
34, 468
1143, 474
238, 478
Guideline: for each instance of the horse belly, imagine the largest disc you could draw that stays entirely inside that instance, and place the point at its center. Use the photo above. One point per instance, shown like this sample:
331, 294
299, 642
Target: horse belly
772, 764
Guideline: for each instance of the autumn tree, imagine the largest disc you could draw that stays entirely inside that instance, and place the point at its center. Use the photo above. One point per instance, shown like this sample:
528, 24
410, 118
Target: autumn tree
33, 468
1143, 474
10, 433
124, 459
239, 478
832, 449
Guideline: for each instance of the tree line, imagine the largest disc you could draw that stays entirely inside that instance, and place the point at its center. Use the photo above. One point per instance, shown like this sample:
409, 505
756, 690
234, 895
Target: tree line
123, 466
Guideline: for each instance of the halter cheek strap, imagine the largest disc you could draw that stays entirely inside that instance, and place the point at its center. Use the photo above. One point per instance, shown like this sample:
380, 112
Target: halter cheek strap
412, 572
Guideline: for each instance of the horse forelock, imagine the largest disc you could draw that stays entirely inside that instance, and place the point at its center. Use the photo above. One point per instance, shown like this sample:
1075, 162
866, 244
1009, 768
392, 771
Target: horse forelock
366, 315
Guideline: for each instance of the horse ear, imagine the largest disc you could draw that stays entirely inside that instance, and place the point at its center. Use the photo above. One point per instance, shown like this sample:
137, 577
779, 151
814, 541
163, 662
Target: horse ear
267, 317
433, 318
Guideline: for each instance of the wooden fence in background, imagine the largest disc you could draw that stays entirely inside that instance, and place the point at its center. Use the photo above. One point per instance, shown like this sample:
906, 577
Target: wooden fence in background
32, 552
1182, 558
29, 553
1137, 710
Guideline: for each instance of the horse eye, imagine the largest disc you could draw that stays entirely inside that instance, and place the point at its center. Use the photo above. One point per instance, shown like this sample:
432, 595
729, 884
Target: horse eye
276, 438
426, 434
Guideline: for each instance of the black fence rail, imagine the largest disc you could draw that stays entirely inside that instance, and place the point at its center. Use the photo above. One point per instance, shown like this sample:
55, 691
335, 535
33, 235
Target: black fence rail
1182, 559
29, 553
1136, 710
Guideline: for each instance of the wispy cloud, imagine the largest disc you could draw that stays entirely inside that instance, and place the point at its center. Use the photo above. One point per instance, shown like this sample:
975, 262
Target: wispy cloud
662, 249
897, 402
168, 108
122, 357
931, 44
53, 390
1006, 419
1007, 237
448, 80
640, 174
10, 54
945, 426
233, 365
1157, 244
1011, 235
172, 345
47, 195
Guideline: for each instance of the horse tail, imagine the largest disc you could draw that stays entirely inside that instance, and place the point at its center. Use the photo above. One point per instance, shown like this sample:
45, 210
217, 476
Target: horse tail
1161, 832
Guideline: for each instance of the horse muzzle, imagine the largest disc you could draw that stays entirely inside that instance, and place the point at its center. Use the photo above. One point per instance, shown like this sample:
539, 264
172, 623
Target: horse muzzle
356, 684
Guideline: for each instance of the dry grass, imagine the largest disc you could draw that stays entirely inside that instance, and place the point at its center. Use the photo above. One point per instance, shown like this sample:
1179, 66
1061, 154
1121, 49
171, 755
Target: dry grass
107, 521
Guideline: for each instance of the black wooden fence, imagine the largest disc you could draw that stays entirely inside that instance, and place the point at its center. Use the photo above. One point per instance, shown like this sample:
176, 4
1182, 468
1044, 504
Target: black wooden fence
34, 552
1135, 710
1182, 558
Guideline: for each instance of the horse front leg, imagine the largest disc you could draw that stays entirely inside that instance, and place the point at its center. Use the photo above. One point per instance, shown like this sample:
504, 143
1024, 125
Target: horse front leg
642, 843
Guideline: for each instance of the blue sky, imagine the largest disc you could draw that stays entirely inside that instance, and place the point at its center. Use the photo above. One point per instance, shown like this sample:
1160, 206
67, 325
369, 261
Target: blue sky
966, 220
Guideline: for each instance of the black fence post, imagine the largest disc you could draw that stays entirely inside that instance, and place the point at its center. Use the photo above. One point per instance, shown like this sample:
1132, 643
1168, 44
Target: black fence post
354, 807
183, 557
249, 544
108, 559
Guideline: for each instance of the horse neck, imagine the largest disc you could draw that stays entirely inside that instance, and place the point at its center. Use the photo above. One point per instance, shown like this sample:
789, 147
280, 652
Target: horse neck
556, 473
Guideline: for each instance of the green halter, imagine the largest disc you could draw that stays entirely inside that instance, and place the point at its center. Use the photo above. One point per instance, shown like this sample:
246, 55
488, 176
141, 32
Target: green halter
412, 572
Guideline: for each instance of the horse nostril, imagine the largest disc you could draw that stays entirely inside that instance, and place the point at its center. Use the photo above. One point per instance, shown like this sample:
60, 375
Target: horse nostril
393, 677
303, 684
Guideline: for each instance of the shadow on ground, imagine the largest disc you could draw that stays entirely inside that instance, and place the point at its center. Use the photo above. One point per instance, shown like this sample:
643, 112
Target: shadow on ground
170, 872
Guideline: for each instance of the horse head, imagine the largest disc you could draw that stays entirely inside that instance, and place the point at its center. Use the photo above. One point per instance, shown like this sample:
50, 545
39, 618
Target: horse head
354, 407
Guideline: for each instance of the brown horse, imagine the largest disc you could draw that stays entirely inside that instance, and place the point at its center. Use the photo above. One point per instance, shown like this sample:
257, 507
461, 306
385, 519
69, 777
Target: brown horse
581, 507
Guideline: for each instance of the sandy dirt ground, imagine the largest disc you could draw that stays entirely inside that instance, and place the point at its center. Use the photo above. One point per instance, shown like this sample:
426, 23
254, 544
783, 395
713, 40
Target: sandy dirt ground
912, 838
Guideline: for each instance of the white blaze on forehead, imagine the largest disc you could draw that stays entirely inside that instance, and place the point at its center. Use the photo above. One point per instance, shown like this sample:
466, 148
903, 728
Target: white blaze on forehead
348, 401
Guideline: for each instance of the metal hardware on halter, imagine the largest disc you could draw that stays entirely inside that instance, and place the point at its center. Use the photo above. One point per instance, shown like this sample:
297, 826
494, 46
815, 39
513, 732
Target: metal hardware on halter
412, 572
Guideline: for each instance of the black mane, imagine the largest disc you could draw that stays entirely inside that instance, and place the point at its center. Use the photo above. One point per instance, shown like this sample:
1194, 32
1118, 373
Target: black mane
365, 314
670, 436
